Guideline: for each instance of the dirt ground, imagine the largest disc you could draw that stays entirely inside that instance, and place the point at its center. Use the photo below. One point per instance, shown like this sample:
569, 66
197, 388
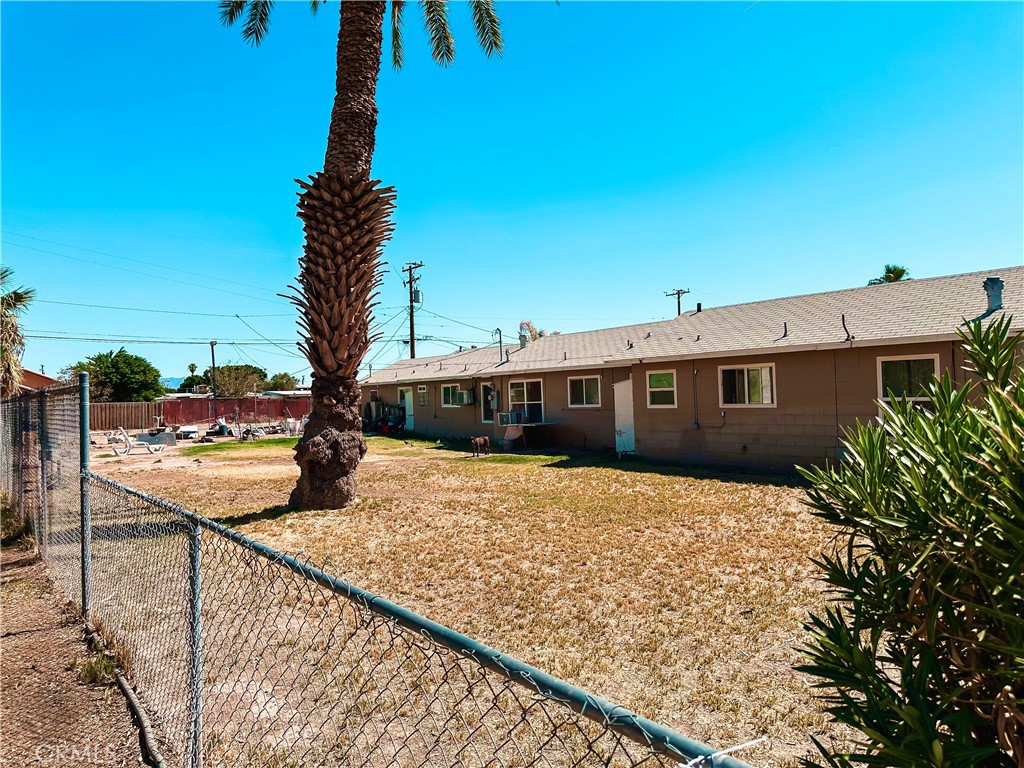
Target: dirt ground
677, 594
49, 716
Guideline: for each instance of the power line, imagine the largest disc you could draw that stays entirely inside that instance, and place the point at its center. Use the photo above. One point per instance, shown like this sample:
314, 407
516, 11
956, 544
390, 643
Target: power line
154, 311
262, 336
384, 345
457, 322
138, 272
141, 261
141, 340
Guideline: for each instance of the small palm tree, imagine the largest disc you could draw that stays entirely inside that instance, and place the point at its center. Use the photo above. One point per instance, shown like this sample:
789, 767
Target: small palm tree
13, 301
346, 217
893, 273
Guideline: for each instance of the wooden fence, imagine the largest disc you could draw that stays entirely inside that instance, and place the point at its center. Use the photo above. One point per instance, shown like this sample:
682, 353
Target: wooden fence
110, 416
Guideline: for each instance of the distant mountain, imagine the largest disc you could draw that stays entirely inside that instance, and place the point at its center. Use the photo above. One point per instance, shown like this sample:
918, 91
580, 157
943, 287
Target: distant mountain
172, 382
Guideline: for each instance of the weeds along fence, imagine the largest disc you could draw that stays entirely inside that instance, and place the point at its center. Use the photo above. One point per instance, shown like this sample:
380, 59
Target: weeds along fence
244, 656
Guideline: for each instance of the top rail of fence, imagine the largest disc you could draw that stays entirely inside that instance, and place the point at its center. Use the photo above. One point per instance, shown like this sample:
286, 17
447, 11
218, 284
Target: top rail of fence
611, 716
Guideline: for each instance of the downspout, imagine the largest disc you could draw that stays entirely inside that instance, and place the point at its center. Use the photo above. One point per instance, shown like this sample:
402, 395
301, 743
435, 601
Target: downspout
696, 422
835, 395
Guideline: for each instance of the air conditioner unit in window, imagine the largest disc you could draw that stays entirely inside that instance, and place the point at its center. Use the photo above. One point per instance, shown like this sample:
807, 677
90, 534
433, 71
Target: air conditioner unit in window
510, 417
464, 397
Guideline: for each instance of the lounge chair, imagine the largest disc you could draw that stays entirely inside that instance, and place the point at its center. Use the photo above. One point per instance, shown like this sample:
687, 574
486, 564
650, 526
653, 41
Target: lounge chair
127, 442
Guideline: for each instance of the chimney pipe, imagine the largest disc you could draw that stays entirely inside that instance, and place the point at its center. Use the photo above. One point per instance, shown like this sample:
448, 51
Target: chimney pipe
698, 306
994, 290
523, 338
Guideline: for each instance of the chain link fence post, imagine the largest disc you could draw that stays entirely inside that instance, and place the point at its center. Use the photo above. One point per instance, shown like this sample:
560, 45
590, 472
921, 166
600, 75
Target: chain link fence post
83, 460
40, 527
195, 647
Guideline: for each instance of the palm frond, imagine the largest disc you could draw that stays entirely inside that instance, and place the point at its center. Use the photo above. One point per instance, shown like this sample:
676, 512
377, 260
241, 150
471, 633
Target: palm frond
231, 10
488, 26
435, 19
257, 21
314, 5
397, 48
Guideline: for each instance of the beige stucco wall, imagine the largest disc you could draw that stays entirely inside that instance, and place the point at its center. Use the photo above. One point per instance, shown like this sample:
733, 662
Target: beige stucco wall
588, 427
817, 393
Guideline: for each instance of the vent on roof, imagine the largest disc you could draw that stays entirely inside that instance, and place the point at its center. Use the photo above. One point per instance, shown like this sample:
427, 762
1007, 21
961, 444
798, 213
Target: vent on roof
994, 290
523, 338
698, 306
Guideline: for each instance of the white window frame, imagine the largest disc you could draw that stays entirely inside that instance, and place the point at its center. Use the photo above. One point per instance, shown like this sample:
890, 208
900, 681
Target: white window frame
675, 380
483, 403
422, 396
882, 397
453, 404
524, 382
775, 389
568, 387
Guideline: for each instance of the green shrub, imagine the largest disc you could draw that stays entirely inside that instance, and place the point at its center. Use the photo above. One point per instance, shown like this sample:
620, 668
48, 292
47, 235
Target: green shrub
922, 650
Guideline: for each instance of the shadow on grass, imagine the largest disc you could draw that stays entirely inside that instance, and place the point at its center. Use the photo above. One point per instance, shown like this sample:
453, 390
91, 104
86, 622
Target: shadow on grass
270, 513
704, 472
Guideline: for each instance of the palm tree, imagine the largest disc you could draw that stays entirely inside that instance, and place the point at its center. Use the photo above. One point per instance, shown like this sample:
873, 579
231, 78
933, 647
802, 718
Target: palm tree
893, 273
13, 301
346, 218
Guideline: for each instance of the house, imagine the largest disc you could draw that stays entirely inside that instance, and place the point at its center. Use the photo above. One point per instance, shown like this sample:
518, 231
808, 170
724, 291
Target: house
33, 380
766, 384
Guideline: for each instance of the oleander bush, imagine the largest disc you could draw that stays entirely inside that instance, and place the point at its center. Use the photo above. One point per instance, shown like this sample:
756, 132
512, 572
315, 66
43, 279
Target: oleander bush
921, 650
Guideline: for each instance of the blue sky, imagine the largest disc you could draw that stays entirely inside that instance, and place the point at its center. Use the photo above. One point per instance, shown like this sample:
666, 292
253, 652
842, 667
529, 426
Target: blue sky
616, 151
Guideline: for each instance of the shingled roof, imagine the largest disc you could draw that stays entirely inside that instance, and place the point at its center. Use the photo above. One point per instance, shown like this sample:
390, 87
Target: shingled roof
930, 309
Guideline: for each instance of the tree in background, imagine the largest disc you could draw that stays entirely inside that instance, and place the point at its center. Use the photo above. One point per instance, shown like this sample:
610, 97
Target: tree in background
236, 380
281, 382
532, 332
13, 301
922, 649
893, 273
346, 216
119, 377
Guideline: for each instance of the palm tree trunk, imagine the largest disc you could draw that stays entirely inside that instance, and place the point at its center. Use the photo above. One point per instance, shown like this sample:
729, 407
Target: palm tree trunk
346, 218
353, 131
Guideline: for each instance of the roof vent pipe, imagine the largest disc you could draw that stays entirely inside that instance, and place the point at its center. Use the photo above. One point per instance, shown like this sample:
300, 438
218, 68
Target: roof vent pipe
994, 290
698, 306
523, 338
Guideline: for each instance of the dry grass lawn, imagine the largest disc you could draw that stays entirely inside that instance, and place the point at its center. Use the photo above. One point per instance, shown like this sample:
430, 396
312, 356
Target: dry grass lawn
678, 595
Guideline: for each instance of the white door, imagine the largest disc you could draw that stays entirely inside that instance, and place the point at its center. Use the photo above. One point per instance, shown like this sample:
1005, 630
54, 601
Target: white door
622, 393
405, 397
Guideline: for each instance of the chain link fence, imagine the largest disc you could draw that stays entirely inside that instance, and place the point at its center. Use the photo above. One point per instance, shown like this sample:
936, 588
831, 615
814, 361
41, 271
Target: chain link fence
245, 656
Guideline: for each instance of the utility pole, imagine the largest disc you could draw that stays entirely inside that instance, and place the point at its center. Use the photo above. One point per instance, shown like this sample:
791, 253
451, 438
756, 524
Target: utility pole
678, 293
213, 376
410, 269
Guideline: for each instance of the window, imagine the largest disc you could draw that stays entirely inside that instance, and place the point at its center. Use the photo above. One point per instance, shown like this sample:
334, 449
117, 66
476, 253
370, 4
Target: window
448, 397
486, 404
585, 392
661, 389
424, 397
906, 377
748, 385
527, 397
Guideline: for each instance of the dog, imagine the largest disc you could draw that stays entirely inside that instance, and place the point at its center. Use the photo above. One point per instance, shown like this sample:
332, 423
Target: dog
481, 445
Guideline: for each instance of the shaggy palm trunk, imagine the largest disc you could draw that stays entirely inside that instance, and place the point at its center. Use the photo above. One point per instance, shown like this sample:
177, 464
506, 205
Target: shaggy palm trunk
346, 219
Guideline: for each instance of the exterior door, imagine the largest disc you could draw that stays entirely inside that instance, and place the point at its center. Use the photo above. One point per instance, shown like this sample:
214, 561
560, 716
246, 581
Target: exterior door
405, 398
486, 405
622, 392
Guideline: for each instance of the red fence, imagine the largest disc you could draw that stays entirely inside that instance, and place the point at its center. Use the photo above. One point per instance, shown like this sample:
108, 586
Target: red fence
250, 410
